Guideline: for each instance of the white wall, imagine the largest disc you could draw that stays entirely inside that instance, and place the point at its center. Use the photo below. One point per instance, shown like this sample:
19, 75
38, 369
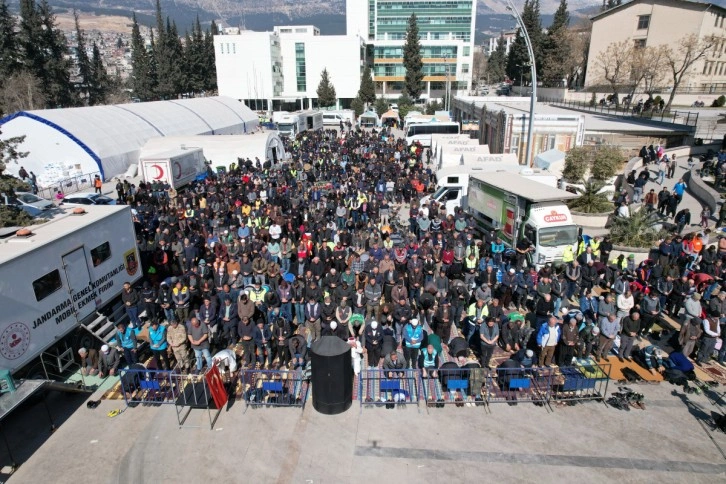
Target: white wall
339, 54
51, 155
244, 65
356, 18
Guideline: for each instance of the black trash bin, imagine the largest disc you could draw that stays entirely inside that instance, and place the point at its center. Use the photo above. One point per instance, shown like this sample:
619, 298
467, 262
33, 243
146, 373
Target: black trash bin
331, 375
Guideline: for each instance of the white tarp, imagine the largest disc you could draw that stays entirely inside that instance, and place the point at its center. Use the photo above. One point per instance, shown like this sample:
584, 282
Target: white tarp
222, 150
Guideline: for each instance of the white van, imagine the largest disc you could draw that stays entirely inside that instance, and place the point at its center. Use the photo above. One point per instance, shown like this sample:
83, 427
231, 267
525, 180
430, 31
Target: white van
332, 119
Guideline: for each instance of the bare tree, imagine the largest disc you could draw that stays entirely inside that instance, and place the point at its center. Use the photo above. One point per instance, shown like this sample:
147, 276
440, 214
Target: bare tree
689, 50
20, 92
613, 65
479, 67
646, 67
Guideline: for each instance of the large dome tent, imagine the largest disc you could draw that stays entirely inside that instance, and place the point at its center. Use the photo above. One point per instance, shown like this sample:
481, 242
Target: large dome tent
63, 143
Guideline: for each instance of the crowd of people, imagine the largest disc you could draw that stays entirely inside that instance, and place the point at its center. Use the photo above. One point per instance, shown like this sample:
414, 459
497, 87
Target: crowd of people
268, 257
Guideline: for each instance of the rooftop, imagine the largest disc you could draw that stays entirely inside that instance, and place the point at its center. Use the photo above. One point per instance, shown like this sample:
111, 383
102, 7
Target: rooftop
524, 187
61, 225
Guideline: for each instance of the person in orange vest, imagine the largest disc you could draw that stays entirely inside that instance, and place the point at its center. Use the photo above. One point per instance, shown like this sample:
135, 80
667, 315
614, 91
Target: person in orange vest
97, 184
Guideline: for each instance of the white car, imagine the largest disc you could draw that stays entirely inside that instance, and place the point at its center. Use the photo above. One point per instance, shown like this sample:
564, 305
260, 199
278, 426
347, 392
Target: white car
31, 203
79, 199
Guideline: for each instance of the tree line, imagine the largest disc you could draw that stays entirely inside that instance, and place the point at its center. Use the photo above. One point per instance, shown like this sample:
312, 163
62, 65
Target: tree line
36, 66
560, 53
169, 67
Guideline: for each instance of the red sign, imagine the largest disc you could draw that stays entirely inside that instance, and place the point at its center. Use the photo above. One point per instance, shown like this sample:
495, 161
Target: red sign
555, 217
216, 387
509, 225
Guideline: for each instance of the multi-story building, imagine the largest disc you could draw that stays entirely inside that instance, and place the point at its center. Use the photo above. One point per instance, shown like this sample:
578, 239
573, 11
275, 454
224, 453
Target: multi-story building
508, 35
446, 31
282, 69
663, 22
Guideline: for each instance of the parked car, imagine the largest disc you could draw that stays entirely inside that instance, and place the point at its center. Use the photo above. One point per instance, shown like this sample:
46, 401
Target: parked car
88, 199
32, 203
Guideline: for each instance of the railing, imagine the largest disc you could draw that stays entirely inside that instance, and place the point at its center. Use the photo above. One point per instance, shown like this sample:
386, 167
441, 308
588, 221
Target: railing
388, 387
685, 118
585, 380
68, 185
273, 388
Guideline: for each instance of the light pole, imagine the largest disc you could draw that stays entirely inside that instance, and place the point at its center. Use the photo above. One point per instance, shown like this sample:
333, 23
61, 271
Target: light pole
533, 67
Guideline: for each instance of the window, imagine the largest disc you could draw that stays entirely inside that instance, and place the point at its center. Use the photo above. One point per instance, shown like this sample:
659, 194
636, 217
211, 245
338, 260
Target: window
639, 43
466, 51
705, 68
452, 195
643, 22
465, 68
47, 285
101, 254
300, 72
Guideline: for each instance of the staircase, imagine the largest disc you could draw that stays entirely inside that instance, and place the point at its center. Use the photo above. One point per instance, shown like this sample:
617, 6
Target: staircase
104, 327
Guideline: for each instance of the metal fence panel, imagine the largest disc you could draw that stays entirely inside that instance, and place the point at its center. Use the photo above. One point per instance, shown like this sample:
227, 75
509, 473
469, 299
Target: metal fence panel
459, 386
586, 380
387, 387
514, 385
273, 388
156, 387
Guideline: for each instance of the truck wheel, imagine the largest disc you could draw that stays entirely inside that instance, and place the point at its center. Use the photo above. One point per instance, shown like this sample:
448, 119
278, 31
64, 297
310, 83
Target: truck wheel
81, 339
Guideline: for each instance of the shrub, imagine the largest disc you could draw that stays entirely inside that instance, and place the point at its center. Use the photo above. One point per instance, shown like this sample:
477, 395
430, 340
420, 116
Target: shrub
590, 199
719, 102
641, 229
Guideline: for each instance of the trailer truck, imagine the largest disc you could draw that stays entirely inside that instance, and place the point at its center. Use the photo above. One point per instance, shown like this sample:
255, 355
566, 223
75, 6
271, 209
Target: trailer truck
176, 167
515, 206
60, 284
295, 123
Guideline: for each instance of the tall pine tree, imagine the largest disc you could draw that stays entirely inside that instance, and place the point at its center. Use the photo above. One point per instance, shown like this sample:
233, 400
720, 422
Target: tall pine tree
9, 48
211, 68
367, 90
326, 91
101, 84
142, 83
556, 48
496, 66
412, 62
85, 79
518, 60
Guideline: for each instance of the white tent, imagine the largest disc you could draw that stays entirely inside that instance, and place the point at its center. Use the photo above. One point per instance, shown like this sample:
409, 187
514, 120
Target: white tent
550, 160
222, 150
68, 142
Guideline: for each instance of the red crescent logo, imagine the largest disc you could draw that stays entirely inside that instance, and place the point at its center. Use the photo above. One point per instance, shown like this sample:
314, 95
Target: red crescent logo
159, 172
178, 173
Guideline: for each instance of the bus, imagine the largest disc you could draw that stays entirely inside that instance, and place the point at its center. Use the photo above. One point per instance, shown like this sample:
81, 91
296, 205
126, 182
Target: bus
422, 132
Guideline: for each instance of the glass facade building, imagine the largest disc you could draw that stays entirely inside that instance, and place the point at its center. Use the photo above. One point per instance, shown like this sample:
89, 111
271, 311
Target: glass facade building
446, 32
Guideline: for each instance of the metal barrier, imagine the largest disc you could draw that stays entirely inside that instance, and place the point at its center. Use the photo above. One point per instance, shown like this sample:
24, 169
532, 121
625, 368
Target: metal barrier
517, 385
201, 391
68, 185
454, 385
145, 386
586, 380
389, 387
686, 118
276, 388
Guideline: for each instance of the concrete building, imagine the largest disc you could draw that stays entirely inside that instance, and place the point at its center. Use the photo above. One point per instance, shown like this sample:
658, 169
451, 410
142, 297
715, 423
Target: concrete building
446, 29
281, 69
663, 22
509, 37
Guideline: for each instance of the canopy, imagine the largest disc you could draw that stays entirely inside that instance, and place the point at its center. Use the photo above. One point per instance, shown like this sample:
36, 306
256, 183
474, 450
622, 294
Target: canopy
548, 158
391, 113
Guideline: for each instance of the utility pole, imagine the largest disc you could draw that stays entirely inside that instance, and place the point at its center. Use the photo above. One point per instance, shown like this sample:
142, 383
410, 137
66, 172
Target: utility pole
533, 67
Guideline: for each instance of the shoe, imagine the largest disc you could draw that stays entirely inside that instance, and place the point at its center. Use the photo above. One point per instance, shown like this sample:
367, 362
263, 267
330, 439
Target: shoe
622, 360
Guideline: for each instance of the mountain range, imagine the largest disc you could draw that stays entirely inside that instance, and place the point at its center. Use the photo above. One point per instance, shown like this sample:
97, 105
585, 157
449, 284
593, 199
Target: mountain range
328, 15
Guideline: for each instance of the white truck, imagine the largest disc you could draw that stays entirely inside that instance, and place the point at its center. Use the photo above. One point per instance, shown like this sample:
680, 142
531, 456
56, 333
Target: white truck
515, 207
66, 274
438, 140
333, 118
295, 123
175, 167
452, 154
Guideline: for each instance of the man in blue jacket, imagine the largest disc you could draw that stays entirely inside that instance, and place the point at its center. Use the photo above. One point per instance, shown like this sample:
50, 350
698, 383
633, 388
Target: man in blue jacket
126, 338
157, 341
547, 339
412, 338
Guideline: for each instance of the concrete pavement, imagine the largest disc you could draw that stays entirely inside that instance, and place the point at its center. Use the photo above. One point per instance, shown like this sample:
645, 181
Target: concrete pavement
589, 442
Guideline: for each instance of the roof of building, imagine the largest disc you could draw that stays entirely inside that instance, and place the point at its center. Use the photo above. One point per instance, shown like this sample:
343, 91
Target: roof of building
685, 3
113, 134
59, 226
524, 187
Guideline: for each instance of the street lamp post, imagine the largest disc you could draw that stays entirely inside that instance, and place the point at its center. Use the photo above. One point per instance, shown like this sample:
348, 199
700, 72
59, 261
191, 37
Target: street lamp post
533, 70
